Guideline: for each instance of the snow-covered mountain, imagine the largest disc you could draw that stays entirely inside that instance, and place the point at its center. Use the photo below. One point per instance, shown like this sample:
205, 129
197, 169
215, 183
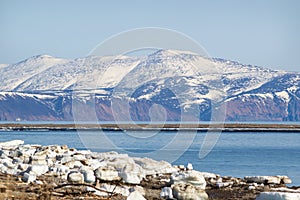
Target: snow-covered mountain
47, 88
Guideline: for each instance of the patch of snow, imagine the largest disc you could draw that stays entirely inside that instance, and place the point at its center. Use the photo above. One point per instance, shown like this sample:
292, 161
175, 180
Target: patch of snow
146, 96
3, 95
114, 73
246, 97
182, 52
284, 95
37, 96
293, 89
215, 95
278, 196
283, 189
3, 65
261, 95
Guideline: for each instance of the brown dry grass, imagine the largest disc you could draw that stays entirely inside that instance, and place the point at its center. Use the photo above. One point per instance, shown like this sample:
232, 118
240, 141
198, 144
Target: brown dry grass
12, 188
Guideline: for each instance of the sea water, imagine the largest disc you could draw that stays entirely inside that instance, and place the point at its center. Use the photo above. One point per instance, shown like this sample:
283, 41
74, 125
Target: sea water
235, 154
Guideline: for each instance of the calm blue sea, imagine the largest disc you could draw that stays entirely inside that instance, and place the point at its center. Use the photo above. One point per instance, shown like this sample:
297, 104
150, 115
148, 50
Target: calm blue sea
235, 154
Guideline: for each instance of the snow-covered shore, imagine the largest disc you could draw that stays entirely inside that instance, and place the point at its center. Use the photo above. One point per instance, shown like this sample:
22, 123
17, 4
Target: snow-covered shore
99, 173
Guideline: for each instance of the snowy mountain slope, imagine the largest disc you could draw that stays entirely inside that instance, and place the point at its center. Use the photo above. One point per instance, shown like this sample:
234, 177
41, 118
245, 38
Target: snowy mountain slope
276, 100
14, 75
192, 78
176, 80
284, 87
83, 73
48, 73
237, 76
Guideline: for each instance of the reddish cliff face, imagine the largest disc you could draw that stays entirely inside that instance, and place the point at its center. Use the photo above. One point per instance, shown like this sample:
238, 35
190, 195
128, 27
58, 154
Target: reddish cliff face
16, 107
294, 110
256, 108
276, 100
240, 108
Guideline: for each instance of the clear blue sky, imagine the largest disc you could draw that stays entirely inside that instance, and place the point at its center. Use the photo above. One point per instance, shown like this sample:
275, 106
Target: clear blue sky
259, 32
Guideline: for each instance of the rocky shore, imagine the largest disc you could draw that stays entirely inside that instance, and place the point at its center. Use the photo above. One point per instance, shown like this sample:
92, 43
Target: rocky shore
59, 172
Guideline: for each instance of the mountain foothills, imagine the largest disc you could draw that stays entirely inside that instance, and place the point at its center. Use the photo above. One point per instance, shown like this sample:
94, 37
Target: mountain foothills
167, 85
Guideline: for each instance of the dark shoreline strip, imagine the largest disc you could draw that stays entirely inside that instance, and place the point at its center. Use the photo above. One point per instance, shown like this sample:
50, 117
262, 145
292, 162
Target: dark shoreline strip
153, 127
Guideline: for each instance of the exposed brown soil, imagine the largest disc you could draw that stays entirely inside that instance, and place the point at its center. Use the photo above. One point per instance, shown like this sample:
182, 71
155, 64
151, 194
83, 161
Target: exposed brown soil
234, 193
12, 188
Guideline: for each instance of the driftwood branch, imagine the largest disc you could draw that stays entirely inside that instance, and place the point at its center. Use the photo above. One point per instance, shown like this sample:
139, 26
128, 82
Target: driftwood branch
84, 184
112, 192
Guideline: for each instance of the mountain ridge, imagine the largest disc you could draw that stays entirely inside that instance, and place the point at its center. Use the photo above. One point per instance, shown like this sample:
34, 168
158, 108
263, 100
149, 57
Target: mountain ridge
176, 80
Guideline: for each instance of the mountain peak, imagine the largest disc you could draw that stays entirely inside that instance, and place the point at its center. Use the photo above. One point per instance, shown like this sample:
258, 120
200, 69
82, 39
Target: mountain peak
172, 52
41, 56
37, 58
